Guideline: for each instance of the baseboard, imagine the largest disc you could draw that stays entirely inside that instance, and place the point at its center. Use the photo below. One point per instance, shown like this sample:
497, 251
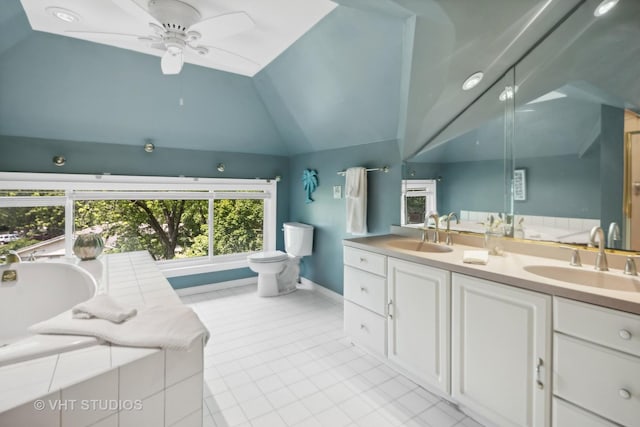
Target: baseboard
201, 289
322, 290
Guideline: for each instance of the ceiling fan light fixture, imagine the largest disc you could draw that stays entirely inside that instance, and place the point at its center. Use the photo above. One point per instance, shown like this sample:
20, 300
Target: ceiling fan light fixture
604, 7
62, 14
472, 81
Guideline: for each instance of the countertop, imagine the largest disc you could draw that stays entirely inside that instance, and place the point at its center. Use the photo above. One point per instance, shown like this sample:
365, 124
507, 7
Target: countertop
508, 269
134, 279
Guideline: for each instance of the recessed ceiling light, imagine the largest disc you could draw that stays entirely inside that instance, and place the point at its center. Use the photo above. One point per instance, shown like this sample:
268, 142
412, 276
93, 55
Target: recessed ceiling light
472, 81
604, 7
63, 14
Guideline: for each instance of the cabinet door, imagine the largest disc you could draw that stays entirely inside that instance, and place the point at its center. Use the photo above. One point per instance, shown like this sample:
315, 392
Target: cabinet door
418, 321
501, 351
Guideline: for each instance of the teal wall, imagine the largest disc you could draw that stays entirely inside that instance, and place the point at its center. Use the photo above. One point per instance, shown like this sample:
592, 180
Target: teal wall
328, 215
563, 186
339, 84
611, 165
62, 88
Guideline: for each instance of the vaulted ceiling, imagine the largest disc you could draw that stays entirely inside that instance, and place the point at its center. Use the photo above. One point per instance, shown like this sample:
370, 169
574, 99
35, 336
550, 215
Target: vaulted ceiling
369, 71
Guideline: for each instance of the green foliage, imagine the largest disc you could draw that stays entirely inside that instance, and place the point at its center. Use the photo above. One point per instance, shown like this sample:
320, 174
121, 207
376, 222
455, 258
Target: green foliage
237, 226
166, 228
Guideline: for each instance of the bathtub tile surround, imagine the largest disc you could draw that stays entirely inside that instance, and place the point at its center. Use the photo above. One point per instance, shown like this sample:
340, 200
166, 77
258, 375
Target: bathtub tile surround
165, 385
286, 362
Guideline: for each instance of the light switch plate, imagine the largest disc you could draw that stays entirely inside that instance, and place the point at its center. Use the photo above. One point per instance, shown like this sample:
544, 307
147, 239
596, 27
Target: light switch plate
337, 191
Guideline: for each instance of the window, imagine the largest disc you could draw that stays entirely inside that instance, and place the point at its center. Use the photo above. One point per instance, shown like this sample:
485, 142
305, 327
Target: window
418, 200
185, 223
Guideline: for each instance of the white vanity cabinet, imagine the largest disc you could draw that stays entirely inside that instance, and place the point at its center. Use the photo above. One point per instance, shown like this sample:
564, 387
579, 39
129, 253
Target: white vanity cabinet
365, 299
596, 365
501, 351
418, 322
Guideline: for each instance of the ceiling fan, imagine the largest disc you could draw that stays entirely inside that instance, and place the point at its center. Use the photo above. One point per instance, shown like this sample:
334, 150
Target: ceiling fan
172, 22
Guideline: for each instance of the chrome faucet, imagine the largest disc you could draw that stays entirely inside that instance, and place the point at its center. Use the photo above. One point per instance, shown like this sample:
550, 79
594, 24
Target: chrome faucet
448, 239
630, 266
601, 258
614, 234
436, 235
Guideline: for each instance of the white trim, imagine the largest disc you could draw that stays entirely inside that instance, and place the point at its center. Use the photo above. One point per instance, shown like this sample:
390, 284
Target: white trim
203, 289
322, 290
57, 181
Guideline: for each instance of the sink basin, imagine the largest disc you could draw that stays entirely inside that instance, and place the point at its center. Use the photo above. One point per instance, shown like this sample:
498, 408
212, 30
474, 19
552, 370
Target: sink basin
596, 279
418, 246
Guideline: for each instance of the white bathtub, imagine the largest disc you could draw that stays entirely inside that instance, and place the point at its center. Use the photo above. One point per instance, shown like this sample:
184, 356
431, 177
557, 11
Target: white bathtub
42, 290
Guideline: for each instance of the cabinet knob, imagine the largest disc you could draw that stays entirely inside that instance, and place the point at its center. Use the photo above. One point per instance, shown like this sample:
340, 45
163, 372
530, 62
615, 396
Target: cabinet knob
624, 334
624, 393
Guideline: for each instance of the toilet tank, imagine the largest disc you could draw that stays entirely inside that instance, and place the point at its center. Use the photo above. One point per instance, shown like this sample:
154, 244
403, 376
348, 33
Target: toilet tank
298, 238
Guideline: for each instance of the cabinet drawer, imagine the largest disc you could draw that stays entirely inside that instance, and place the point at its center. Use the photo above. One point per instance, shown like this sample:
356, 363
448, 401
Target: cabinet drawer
567, 415
365, 289
605, 381
365, 327
601, 325
368, 261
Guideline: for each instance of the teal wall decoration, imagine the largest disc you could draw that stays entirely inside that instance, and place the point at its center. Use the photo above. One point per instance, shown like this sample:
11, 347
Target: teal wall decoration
310, 183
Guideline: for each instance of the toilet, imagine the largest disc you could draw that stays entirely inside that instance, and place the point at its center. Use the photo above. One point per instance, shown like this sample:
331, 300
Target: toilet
278, 271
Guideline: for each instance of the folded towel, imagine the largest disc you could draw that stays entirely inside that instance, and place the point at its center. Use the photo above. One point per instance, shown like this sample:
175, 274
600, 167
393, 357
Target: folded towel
102, 307
475, 257
356, 194
174, 327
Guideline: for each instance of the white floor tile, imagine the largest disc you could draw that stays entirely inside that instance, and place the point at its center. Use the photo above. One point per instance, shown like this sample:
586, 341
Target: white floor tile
256, 407
285, 362
294, 413
281, 397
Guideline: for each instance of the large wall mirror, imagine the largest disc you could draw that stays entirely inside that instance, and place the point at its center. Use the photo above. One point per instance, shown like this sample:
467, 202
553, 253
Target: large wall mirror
572, 154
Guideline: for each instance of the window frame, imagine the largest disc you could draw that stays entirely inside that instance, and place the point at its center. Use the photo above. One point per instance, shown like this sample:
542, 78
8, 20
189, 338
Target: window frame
418, 188
121, 187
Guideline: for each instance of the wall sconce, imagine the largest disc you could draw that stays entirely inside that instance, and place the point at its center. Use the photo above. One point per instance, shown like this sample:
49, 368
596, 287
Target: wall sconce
149, 147
59, 160
220, 167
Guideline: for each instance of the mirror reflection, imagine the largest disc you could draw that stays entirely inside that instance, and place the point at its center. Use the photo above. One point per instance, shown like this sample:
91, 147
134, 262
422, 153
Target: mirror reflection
577, 99
466, 165
574, 102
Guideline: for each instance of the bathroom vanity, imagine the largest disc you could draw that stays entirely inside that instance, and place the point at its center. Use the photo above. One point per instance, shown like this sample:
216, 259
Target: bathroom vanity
509, 346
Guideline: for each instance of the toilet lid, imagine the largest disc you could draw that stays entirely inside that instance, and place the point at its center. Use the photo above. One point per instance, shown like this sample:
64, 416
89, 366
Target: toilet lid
272, 256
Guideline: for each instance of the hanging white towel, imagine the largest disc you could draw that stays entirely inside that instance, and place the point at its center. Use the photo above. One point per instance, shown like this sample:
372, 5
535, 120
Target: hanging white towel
104, 307
174, 327
356, 194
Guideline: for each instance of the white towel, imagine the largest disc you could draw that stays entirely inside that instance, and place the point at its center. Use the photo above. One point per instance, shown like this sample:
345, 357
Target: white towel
174, 327
356, 194
475, 257
102, 307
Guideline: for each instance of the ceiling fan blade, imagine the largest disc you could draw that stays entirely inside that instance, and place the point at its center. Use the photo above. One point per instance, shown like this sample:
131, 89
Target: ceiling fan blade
104, 35
171, 63
226, 57
134, 9
226, 25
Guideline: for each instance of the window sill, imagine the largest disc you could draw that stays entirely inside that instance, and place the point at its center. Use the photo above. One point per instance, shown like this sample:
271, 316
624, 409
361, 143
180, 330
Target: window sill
187, 268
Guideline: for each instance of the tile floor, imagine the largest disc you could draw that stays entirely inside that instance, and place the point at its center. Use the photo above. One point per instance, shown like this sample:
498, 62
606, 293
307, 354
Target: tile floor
285, 362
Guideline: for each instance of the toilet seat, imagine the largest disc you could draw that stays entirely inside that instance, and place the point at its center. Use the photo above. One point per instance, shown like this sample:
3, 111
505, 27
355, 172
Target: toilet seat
271, 256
